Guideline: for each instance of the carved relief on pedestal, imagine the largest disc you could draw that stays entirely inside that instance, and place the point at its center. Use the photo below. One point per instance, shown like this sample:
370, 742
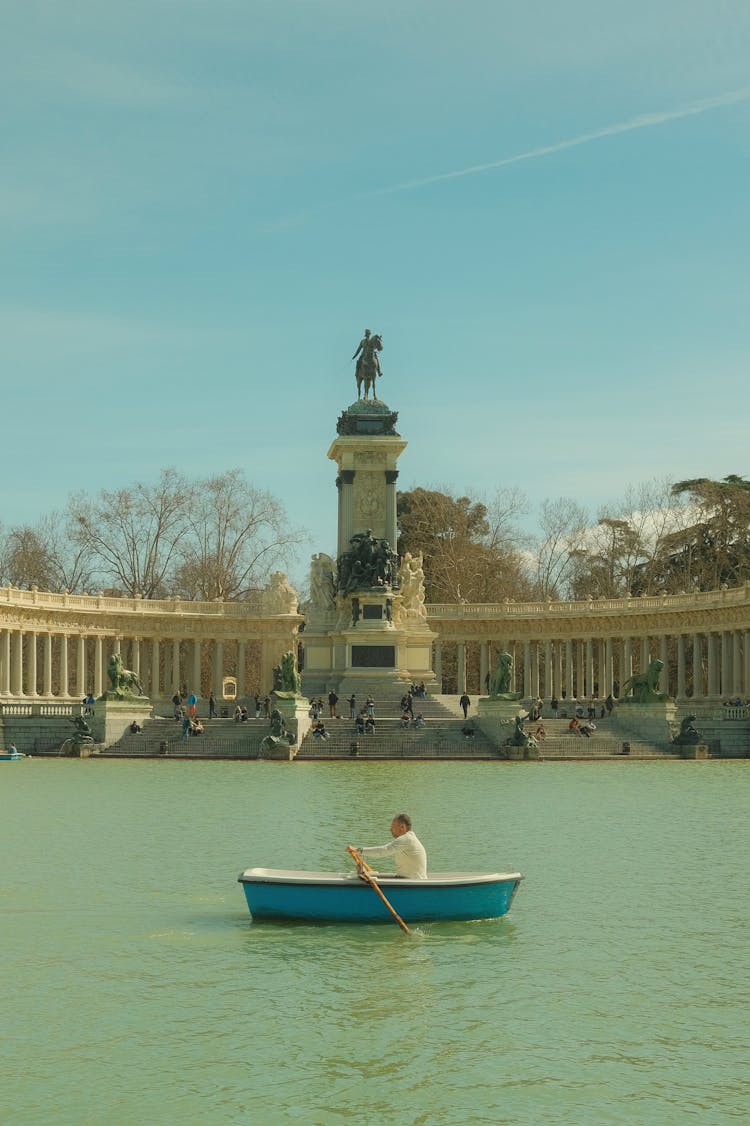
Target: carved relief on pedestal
369, 457
369, 499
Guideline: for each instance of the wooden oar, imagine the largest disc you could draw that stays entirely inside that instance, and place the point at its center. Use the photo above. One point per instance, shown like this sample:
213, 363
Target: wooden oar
364, 871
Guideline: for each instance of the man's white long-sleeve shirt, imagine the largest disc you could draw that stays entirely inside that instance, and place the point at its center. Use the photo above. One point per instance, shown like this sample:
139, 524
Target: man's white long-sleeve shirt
408, 855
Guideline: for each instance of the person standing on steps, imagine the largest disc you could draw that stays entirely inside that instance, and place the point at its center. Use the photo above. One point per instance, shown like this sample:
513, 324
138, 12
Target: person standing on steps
465, 702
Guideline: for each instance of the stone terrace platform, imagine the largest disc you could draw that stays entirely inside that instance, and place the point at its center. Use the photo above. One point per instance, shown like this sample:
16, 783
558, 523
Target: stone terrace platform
440, 738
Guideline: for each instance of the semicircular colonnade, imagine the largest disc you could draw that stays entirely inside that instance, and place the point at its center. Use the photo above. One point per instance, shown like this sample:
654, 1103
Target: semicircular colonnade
594, 647
55, 647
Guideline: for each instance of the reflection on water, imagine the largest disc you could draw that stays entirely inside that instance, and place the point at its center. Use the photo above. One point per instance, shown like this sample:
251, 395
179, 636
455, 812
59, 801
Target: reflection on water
137, 988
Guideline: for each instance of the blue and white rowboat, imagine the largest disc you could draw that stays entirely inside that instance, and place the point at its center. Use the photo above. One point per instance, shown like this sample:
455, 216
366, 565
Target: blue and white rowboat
336, 897
5, 756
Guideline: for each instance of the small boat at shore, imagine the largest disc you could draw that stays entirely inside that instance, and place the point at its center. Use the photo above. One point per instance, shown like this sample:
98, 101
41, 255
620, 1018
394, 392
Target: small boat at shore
342, 897
8, 756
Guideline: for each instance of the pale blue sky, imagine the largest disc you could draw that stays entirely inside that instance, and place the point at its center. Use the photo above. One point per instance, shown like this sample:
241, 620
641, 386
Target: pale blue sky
203, 204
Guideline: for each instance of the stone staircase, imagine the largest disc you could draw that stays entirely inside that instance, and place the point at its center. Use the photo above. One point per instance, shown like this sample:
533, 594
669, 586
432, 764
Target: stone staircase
222, 738
441, 736
608, 741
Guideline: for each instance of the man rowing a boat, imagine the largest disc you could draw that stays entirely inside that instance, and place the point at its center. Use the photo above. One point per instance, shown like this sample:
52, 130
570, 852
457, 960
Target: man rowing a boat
406, 849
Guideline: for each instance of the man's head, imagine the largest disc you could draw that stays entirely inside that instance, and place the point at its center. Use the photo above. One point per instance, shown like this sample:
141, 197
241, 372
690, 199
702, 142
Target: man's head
400, 824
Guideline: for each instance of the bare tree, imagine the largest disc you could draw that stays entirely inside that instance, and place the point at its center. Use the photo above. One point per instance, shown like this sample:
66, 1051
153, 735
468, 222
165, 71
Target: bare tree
46, 556
133, 534
25, 560
620, 555
237, 535
564, 526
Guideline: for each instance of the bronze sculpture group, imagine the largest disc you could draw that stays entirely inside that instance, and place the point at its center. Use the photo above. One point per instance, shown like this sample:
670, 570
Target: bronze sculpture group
370, 562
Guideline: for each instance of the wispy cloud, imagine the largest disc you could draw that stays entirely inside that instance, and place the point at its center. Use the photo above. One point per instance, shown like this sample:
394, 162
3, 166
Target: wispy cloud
642, 121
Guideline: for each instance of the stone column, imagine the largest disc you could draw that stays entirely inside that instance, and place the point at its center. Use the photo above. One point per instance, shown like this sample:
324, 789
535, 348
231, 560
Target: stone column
581, 670
135, 648
346, 508
627, 661
526, 668
81, 666
64, 688
437, 663
746, 654
484, 667
589, 668
218, 664
155, 670
680, 667
547, 670
98, 662
535, 669
461, 667
645, 654
31, 687
713, 679
48, 665
557, 683
266, 666
609, 667
241, 668
725, 671
17, 663
176, 681
196, 676
736, 664
569, 669
664, 658
5, 684
391, 530
697, 668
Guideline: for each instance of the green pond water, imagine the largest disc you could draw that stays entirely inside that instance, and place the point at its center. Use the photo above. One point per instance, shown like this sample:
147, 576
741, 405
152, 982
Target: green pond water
136, 988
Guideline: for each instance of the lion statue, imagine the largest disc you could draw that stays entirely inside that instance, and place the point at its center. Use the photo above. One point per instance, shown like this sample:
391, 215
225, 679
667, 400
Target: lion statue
289, 676
645, 685
500, 682
124, 681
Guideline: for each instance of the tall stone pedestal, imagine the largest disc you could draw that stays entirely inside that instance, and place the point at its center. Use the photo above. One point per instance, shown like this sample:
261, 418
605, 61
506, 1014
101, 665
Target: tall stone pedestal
112, 718
695, 751
363, 629
496, 719
371, 640
296, 712
650, 723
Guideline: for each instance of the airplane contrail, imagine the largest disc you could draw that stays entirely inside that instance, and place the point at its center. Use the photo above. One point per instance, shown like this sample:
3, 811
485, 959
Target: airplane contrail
643, 121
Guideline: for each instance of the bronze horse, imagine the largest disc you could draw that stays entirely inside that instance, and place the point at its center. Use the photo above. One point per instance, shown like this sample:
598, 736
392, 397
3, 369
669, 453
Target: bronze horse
368, 367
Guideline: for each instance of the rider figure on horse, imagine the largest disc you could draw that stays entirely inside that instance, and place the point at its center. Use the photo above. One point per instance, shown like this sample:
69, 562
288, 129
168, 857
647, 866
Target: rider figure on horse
368, 362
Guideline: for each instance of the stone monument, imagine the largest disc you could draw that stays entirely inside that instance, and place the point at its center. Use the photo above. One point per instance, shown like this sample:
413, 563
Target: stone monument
123, 702
367, 620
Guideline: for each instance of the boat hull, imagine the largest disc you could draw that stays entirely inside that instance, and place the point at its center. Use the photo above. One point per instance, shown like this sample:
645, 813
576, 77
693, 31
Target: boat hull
11, 758
281, 894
